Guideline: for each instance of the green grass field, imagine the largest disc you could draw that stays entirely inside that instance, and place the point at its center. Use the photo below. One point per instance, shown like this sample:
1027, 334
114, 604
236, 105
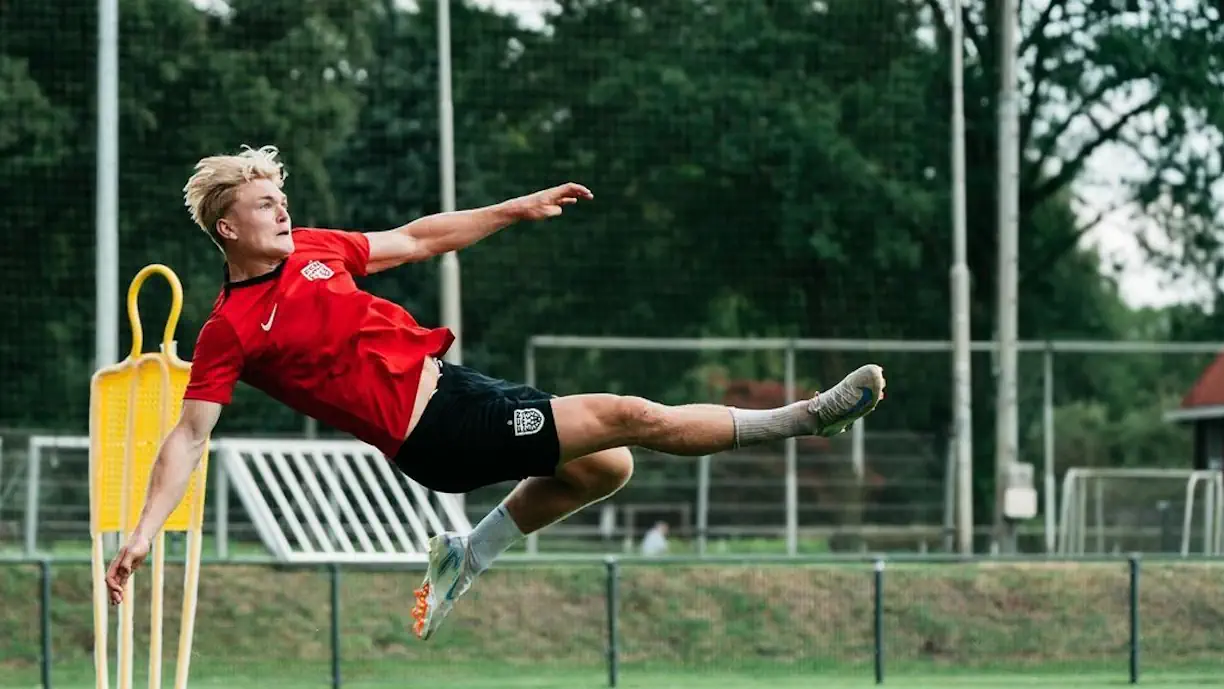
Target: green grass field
484, 675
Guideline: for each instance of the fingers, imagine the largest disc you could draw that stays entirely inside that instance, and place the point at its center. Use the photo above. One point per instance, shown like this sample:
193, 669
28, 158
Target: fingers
549, 203
573, 191
117, 576
114, 589
576, 189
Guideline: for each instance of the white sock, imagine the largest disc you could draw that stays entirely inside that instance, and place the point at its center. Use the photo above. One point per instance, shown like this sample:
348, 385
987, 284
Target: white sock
762, 425
492, 536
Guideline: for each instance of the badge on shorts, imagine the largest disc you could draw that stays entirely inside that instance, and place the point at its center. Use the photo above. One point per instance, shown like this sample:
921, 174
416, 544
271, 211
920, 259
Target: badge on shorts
528, 421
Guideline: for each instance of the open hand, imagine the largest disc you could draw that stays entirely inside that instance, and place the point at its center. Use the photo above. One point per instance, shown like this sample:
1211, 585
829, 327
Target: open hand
549, 203
129, 558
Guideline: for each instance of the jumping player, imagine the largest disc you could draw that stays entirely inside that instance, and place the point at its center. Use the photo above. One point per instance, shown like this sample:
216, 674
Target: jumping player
290, 320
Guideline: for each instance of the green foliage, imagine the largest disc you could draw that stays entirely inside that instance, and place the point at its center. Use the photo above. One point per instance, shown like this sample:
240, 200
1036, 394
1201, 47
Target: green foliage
1142, 78
1088, 434
192, 83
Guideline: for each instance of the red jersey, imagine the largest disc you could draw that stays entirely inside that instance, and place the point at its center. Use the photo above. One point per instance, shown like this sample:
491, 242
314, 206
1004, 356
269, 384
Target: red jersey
309, 338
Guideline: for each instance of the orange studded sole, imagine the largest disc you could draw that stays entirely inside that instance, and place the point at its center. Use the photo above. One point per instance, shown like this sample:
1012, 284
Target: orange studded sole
420, 609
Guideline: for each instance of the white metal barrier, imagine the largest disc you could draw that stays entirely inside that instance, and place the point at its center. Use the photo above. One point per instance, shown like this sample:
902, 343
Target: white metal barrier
333, 501
309, 500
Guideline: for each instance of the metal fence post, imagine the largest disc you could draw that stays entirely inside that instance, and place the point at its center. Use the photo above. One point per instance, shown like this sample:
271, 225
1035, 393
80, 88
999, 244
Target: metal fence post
532, 542
878, 604
45, 605
33, 485
703, 503
334, 572
612, 599
1134, 619
221, 515
1049, 489
792, 460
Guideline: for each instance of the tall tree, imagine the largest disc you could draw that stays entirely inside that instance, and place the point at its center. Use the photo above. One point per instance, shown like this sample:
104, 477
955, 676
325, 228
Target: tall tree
193, 82
1139, 76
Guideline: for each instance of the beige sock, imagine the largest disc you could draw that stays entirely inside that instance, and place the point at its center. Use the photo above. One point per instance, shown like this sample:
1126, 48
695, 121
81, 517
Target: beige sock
762, 425
492, 536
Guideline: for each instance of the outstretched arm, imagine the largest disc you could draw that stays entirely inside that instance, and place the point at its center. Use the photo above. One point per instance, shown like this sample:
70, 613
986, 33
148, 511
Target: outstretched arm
441, 233
177, 458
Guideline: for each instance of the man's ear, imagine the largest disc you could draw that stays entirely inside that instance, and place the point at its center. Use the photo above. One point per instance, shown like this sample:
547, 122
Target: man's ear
225, 231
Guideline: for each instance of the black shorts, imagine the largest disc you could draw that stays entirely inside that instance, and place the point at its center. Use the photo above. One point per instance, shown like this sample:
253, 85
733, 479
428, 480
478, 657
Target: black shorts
477, 431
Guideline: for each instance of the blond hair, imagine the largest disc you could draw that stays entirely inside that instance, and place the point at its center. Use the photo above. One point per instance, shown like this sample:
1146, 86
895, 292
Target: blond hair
210, 191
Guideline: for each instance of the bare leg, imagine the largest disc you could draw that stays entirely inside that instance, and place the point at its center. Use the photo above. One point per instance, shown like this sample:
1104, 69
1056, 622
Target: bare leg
587, 424
539, 501
532, 505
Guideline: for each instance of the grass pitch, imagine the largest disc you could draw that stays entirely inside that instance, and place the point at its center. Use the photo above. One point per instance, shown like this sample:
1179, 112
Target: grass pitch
484, 675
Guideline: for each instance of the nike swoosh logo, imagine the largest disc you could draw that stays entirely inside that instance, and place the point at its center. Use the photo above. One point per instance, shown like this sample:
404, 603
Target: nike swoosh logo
865, 398
268, 326
451, 559
863, 401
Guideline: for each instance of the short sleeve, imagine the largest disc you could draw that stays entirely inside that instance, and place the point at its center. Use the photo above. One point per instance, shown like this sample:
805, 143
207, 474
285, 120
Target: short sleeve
352, 247
216, 363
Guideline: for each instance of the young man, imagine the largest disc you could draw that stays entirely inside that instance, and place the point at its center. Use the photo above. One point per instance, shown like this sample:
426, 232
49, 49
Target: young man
290, 321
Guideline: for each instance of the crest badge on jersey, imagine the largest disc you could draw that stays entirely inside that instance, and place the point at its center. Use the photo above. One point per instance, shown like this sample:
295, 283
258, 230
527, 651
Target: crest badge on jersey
317, 271
528, 421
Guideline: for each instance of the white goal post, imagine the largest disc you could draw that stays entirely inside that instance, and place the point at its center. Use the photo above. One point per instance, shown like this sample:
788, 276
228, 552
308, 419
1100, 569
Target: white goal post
1093, 499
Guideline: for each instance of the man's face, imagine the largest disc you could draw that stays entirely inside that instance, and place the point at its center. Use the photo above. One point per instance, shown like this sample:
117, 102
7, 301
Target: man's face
257, 223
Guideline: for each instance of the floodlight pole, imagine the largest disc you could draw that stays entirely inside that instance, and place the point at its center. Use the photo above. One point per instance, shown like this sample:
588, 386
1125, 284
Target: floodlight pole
1007, 426
962, 389
449, 270
448, 273
106, 200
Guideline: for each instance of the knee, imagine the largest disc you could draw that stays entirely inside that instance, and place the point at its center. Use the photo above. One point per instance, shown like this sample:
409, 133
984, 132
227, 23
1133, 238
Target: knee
601, 474
616, 471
